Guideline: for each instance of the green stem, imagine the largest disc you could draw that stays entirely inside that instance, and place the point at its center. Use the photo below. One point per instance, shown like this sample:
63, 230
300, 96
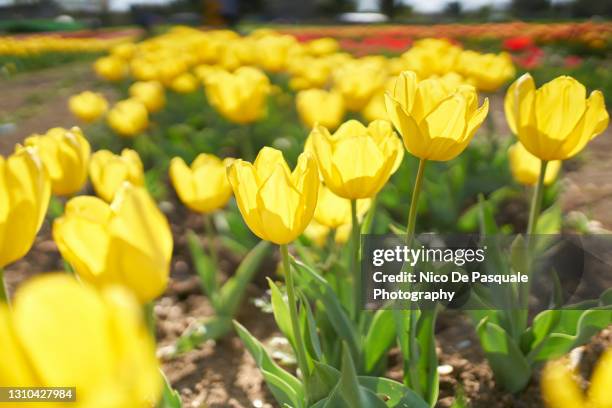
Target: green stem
3, 292
536, 202
293, 312
210, 239
248, 150
414, 204
149, 314
355, 270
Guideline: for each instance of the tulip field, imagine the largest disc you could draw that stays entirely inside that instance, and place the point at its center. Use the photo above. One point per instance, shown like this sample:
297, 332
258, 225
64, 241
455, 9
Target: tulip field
187, 217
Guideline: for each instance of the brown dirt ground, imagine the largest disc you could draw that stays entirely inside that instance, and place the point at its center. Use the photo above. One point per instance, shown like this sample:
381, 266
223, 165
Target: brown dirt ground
222, 373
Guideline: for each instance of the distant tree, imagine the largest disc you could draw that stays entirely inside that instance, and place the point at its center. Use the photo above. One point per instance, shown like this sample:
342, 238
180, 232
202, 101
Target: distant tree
453, 9
590, 8
530, 8
389, 7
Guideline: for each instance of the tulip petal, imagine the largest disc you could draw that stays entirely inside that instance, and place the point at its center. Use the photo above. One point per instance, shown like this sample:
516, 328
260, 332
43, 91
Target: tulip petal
243, 179
16, 369
559, 105
592, 124
266, 161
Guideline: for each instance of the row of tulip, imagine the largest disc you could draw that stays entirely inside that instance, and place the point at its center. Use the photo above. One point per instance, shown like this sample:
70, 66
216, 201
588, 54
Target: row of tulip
122, 238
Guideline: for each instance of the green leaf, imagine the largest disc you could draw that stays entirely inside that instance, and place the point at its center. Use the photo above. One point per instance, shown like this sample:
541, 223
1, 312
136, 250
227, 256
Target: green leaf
309, 329
232, 292
322, 381
210, 329
281, 312
317, 289
170, 398
428, 361
394, 394
488, 226
511, 369
379, 339
286, 388
204, 266
549, 222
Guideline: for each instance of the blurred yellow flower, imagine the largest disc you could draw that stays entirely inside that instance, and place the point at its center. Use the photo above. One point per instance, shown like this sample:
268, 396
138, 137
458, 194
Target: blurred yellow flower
357, 81
65, 156
376, 109
560, 389
150, 93
556, 121
276, 204
108, 171
273, 51
436, 121
203, 186
125, 50
320, 106
88, 106
334, 211
431, 56
128, 117
356, 162
62, 332
487, 72
25, 189
184, 83
127, 242
317, 233
240, 97
110, 68
525, 166
323, 46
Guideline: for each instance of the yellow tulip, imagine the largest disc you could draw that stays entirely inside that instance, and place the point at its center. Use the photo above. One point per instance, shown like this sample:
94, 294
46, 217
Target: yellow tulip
60, 332
358, 81
203, 186
356, 162
65, 156
334, 211
308, 72
431, 56
108, 171
128, 117
88, 106
203, 72
127, 242
560, 389
376, 109
487, 72
317, 233
556, 121
525, 166
276, 204
125, 50
150, 93
436, 121
320, 106
273, 51
184, 83
323, 46
110, 68
240, 97
25, 189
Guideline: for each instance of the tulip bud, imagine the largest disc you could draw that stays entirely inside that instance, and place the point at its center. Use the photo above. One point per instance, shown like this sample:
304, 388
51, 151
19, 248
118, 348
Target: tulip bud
319, 106
556, 121
150, 93
184, 83
88, 106
525, 166
108, 171
436, 121
56, 324
127, 242
276, 204
128, 117
110, 68
356, 162
25, 189
203, 187
65, 156
240, 97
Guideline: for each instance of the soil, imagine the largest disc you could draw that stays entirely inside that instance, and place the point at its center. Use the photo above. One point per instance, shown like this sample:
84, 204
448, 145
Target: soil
222, 373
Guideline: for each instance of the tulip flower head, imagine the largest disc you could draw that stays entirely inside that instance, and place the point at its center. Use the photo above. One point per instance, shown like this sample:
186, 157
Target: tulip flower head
128, 117
358, 81
240, 97
65, 156
317, 106
127, 242
487, 72
108, 171
110, 68
150, 93
61, 332
436, 121
333, 211
25, 189
184, 83
203, 186
356, 161
557, 120
525, 166
88, 106
560, 389
276, 204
